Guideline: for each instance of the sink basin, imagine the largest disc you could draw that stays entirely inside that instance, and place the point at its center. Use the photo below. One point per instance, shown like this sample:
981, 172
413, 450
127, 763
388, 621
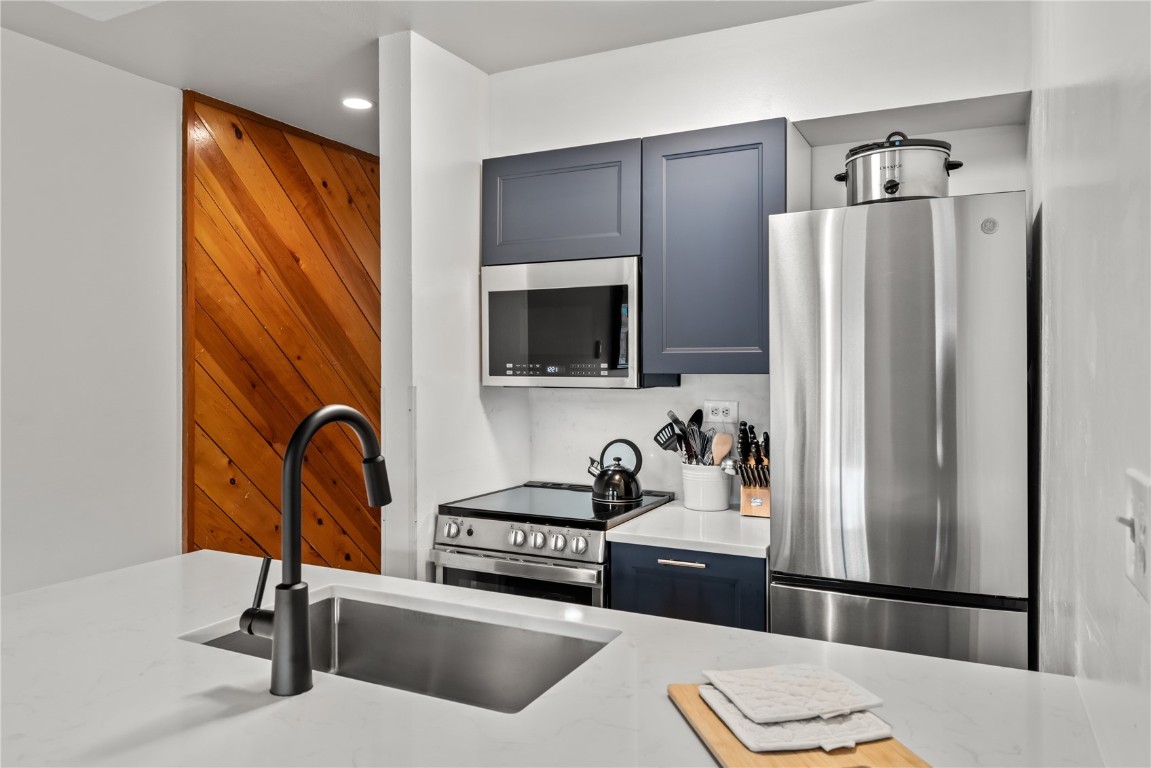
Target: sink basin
480, 661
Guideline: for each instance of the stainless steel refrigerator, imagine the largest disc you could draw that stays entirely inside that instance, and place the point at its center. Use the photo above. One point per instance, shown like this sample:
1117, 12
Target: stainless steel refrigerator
899, 426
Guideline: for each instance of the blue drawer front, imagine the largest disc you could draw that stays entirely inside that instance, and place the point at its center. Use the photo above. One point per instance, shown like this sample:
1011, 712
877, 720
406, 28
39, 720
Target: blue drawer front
727, 590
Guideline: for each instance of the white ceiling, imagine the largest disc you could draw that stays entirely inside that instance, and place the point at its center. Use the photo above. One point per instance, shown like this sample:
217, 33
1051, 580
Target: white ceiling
295, 61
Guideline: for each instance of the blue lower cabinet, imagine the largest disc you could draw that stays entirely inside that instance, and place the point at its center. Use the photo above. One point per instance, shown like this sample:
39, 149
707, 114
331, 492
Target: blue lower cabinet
684, 584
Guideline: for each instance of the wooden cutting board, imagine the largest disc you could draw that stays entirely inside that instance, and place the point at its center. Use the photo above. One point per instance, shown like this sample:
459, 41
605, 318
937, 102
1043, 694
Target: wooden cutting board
729, 751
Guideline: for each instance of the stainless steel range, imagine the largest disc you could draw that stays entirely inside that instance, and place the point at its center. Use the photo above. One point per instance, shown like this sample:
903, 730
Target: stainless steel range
537, 539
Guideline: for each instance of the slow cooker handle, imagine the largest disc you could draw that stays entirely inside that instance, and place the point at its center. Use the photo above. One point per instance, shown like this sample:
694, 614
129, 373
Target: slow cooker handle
841, 176
952, 165
900, 134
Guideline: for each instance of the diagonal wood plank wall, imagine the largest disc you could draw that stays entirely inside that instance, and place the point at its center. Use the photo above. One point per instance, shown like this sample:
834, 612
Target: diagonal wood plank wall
281, 316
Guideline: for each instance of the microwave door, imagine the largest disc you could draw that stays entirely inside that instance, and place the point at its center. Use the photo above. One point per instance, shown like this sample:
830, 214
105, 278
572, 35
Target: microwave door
544, 327
579, 326
508, 315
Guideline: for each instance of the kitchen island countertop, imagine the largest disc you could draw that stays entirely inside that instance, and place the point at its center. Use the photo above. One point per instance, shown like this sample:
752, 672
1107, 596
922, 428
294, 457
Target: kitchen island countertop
724, 532
95, 672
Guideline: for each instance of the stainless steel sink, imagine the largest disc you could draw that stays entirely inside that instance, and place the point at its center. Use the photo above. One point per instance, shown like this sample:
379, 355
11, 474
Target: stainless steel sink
483, 663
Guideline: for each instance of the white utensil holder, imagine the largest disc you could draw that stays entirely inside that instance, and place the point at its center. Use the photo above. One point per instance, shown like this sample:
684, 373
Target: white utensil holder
706, 489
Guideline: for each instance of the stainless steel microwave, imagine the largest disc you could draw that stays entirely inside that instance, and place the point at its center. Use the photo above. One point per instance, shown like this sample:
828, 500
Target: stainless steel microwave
561, 324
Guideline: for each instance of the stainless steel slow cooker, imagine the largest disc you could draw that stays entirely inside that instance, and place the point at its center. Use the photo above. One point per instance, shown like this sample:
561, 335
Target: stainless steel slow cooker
897, 168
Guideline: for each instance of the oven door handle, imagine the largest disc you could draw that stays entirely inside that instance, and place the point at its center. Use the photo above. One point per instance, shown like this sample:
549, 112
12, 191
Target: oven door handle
564, 574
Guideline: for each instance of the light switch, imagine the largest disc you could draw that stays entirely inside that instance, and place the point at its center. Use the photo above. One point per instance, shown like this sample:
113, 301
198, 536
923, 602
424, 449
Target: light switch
1135, 520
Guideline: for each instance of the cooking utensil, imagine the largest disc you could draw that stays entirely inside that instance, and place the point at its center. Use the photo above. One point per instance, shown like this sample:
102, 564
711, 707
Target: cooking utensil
697, 418
705, 439
728, 465
698, 440
897, 168
666, 437
691, 456
720, 447
694, 422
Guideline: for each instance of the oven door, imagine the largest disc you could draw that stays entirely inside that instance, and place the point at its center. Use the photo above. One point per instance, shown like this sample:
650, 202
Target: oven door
561, 324
582, 584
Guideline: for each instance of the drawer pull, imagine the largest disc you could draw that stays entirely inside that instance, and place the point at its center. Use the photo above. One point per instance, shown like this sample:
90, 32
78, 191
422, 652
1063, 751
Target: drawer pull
681, 563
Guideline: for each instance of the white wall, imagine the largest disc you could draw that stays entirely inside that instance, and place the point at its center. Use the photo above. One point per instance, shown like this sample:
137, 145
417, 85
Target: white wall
397, 399
467, 439
841, 61
801, 67
1091, 154
91, 316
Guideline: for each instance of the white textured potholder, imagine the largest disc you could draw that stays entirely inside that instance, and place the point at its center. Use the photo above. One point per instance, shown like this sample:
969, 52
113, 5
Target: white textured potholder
791, 692
828, 733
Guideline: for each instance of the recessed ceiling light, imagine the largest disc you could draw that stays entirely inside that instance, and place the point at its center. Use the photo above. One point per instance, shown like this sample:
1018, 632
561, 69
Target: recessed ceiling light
355, 102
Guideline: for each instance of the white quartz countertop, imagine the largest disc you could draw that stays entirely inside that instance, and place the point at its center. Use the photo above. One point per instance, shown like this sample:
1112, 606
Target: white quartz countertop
672, 525
95, 673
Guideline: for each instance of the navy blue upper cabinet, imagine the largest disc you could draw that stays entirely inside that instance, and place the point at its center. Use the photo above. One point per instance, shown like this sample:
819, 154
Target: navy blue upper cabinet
706, 198
575, 203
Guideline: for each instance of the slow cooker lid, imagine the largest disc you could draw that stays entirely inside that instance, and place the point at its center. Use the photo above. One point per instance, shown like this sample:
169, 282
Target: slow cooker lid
897, 140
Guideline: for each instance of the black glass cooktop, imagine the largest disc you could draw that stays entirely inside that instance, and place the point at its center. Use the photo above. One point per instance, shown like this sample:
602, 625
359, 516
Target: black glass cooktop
555, 503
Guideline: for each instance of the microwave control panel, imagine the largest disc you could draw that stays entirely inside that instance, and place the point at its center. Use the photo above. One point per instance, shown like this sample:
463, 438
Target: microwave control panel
559, 369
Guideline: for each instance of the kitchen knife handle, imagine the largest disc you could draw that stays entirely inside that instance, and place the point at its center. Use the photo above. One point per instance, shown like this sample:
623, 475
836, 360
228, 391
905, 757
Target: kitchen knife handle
681, 563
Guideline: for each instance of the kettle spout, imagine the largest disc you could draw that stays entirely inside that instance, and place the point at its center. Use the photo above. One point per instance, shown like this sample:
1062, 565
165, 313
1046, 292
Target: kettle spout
593, 467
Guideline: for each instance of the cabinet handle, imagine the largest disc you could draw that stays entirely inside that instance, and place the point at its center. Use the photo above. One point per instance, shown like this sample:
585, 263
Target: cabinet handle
681, 563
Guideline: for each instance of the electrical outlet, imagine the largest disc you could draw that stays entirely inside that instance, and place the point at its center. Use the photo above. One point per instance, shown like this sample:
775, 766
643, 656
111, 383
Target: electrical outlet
721, 410
1138, 504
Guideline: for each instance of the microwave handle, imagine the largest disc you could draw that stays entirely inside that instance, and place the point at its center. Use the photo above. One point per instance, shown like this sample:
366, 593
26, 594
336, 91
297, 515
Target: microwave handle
598, 349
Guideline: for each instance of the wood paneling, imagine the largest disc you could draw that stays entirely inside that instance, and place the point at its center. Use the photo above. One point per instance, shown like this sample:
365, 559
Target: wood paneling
282, 316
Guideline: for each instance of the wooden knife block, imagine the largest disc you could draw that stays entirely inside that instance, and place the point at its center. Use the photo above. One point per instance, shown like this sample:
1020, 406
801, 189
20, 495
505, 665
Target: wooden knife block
755, 501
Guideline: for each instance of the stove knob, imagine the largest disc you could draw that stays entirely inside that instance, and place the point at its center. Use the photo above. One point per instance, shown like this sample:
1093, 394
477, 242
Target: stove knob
579, 545
451, 530
538, 540
559, 541
517, 537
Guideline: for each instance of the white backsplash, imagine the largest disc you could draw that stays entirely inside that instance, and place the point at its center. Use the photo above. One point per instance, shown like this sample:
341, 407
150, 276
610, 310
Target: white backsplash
569, 425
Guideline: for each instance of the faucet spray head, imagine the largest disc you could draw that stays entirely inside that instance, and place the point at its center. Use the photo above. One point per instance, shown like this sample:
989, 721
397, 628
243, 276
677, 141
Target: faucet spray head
376, 482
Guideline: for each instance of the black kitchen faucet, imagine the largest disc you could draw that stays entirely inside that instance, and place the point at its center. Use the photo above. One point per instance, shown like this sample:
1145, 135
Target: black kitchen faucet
287, 625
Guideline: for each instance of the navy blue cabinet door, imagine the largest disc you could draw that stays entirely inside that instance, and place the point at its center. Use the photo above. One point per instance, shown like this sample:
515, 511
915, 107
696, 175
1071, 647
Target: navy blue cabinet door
574, 203
697, 586
706, 198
